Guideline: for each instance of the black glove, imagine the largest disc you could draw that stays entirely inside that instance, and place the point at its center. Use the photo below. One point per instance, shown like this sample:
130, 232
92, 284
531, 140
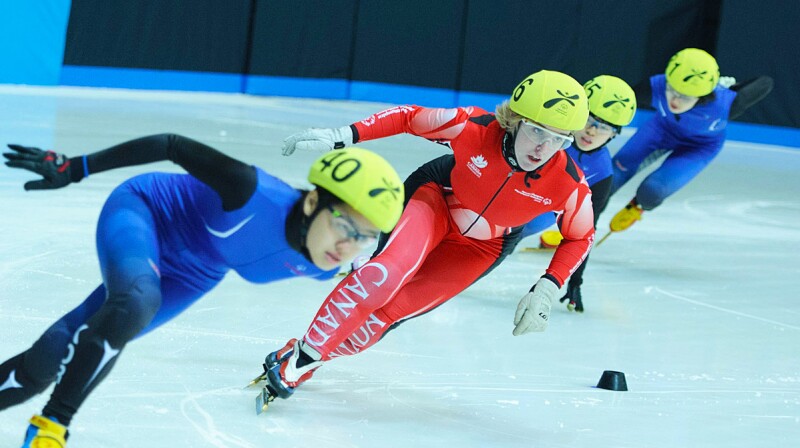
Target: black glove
52, 166
573, 296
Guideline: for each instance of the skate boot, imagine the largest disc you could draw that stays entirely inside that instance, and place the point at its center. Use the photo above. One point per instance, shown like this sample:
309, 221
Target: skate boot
573, 298
286, 369
272, 360
290, 367
45, 432
550, 239
626, 217
278, 356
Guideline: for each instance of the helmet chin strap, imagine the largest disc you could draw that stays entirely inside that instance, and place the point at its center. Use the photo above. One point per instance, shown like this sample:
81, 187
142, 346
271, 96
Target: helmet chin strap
297, 225
305, 224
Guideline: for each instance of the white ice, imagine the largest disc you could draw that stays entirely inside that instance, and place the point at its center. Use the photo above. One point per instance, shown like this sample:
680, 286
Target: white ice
698, 304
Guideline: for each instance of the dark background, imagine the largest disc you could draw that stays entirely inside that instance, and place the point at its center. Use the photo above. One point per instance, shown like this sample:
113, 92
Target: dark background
461, 45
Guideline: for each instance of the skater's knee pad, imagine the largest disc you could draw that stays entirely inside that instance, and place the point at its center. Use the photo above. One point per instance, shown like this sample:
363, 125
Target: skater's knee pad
41, 362
126, 313
16, 386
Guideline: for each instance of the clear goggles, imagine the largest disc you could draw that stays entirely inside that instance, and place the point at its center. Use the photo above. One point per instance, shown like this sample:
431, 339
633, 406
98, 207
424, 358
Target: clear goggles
600, 126
539, 135
679, 96
345, 228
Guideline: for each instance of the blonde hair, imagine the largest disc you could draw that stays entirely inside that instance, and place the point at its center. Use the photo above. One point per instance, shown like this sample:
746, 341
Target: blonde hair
507, 118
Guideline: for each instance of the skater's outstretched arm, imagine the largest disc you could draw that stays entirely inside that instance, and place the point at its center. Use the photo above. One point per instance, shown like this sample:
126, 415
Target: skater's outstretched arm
748, 93
233, 180
435, 124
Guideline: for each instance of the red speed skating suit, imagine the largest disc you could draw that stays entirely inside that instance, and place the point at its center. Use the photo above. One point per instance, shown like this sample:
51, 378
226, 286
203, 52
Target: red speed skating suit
456, 226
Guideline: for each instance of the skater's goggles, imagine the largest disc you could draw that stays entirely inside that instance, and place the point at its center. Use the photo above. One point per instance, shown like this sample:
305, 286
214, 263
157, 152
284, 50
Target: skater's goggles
679, 96
539, 135
600, 126
345, 228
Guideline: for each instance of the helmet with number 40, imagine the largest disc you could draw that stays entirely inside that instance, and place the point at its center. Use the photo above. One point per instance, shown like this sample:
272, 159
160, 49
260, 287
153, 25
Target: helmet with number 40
363, 180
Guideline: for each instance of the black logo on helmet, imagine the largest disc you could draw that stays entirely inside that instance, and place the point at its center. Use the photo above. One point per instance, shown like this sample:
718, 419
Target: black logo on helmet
563, 97
695, 73
617, 100
389, 188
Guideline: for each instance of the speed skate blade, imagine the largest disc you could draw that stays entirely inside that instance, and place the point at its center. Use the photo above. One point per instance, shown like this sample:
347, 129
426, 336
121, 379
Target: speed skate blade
256, 380
538, 249
263, 400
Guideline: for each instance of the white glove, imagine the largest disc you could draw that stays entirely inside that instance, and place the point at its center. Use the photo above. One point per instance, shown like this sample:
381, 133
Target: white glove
727, 81
318, 140
533, 310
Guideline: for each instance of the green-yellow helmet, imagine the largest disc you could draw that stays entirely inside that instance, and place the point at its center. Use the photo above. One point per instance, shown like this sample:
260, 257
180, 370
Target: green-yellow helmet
611, 100
363, 180
551, 98
692, 72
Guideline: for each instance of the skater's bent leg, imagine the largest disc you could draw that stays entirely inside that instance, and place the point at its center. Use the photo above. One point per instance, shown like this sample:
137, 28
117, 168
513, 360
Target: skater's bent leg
422, 225
33, 370
449, 269
97, 344
128, 250
678, 169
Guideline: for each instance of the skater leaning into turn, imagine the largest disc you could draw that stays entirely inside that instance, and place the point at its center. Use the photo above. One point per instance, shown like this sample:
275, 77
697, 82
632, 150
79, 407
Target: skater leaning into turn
463, 215
689, 126
164, 240
612, 105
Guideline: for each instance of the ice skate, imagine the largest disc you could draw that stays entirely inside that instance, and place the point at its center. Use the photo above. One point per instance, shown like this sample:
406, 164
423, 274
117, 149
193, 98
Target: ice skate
548, 241
45, 432
626, 217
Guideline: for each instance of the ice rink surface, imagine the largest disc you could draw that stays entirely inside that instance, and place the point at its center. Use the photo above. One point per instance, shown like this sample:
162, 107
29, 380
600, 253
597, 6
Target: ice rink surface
699, 305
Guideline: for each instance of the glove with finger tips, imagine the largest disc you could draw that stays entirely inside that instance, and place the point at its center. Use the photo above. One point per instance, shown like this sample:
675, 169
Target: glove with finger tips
321, 140
55, 168
533, 310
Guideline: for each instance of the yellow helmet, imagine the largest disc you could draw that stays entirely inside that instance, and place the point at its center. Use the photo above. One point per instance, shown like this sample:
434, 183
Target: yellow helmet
611, 100
363, 180
692, 72
551, 98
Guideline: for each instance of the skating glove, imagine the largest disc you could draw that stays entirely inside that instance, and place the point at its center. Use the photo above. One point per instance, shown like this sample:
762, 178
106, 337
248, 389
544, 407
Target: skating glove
316, 139
573, 298
533, 310
55, 168
727, 81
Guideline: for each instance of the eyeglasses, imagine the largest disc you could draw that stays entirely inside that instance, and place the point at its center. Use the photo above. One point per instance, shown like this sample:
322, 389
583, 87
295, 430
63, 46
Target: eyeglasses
346, 229
679, 96
540, 135
602, 128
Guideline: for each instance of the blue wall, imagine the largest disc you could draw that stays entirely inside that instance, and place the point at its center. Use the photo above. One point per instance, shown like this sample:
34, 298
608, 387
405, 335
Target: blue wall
32, 36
